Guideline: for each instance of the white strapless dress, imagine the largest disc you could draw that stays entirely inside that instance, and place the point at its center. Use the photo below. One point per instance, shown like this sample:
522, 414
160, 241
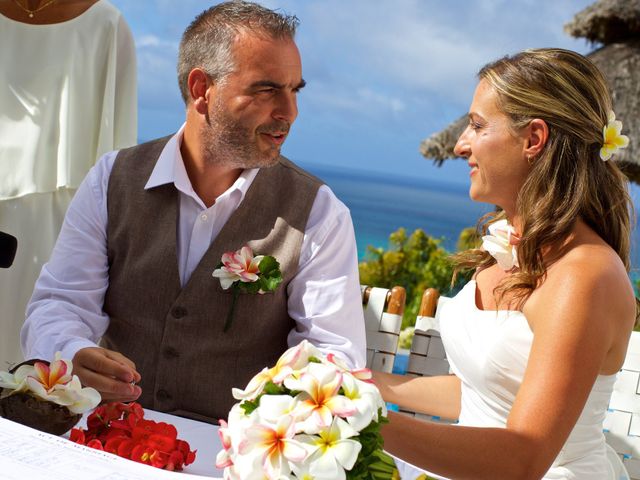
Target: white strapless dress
488, 351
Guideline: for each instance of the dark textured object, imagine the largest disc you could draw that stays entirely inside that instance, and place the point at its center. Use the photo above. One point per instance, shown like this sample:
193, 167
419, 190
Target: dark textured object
35, 413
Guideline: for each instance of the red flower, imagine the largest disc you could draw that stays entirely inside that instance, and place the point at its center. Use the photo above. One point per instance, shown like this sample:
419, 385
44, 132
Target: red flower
121, 429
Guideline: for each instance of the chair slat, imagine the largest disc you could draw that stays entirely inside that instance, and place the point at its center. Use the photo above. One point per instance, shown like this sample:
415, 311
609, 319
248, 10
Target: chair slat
383, 309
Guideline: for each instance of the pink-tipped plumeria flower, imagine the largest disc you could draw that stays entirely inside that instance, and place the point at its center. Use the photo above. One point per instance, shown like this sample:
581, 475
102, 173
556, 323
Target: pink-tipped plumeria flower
289, 362
240, 265
223, 459
331, 452
501, 244
276, 446
52, 383
363, 374
57, 372
318, 400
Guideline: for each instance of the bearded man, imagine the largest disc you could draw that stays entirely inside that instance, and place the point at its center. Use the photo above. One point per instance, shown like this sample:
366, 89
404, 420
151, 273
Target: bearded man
128, 293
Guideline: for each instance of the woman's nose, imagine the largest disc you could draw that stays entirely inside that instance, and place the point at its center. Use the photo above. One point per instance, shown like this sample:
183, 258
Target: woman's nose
462, 147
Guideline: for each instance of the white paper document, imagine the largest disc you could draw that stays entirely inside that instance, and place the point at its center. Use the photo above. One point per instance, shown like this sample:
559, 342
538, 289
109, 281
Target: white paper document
26, 453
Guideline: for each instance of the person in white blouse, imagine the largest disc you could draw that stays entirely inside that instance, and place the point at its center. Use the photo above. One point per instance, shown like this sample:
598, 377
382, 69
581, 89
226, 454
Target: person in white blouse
68, 96
240, 91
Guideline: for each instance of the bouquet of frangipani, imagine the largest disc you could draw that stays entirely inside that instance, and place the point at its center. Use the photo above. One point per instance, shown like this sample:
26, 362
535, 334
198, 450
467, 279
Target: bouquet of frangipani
308, 417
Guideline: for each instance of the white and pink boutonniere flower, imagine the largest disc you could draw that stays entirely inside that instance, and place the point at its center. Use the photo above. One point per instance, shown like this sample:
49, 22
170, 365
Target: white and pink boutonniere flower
242, 271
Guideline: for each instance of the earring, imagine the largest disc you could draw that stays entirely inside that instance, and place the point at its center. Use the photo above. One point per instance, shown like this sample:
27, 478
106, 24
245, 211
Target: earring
530, 160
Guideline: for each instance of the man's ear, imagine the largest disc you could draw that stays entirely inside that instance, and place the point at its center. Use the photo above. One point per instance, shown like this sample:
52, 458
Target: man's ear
537, 136
198, 83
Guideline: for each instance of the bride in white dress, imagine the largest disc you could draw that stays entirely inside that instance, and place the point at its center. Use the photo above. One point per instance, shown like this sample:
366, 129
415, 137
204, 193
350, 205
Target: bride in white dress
536, 338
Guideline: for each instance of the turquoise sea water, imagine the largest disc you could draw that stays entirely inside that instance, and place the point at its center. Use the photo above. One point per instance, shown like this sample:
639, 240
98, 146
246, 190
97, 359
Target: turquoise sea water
380, 204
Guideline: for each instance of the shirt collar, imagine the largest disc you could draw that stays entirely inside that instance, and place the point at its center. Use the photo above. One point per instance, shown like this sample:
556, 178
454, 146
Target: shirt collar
170, 168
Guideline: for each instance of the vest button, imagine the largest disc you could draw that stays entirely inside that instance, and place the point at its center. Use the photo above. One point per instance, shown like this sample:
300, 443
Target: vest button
170, 352
179, 312
163, 395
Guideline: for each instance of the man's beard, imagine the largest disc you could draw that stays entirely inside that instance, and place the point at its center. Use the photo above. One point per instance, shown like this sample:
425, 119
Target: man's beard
229, 142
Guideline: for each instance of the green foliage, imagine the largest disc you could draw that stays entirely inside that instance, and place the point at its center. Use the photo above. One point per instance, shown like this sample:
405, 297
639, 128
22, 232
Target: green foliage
372, 463
415, 262
468, 239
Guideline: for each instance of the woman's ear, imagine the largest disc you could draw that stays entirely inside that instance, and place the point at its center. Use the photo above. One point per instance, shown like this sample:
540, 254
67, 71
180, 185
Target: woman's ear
198, 83
538, 134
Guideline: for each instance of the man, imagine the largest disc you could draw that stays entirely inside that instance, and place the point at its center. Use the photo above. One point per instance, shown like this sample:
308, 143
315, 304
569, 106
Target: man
134, 260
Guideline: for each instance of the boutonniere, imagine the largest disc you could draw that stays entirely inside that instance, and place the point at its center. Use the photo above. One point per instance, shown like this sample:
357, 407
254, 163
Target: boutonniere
242, 271
501, 244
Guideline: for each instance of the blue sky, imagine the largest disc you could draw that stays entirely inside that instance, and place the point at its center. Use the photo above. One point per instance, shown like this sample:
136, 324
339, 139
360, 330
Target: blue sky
381, 75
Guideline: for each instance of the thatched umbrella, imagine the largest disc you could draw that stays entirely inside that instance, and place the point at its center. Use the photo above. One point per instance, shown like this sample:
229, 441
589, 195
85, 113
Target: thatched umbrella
616, 25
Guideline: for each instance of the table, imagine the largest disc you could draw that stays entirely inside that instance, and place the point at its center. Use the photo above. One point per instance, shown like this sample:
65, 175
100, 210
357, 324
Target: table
28, 453
201, 436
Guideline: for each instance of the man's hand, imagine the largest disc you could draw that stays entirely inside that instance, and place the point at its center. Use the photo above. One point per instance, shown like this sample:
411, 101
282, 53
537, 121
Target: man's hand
109, 372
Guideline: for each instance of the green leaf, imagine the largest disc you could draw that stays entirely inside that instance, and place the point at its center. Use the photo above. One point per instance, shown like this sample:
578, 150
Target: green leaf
268, 265
272, 389
250, 405
269, 284
249, 287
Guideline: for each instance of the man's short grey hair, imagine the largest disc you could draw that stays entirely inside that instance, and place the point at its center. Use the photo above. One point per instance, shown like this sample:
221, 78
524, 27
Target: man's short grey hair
208, 41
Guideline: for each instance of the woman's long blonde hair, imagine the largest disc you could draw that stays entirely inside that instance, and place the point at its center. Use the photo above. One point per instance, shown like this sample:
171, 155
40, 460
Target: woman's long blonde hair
568, 180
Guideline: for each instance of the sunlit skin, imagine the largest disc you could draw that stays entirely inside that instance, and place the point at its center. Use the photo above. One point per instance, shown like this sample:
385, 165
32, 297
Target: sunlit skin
495, 154
242, 121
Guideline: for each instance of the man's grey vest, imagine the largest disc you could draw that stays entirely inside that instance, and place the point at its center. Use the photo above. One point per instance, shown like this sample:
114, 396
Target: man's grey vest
175, 335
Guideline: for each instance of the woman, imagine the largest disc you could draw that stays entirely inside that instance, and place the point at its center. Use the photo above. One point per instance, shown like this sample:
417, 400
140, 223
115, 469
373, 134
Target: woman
67, 95
536, 337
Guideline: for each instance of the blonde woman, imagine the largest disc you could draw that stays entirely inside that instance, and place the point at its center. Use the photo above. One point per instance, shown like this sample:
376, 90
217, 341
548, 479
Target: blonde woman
536, 338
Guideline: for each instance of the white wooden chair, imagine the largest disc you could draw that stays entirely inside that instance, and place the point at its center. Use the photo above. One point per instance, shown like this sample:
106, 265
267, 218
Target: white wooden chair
622, 421
427, 356
383, 309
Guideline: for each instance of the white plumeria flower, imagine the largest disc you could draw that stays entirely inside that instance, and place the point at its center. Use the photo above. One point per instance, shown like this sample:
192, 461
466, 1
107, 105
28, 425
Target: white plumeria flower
273, 407
238, 266
16, 382
332, 451
291, 361
367, 400
613, 139
318, 400
52, 383
501, 244
276, 446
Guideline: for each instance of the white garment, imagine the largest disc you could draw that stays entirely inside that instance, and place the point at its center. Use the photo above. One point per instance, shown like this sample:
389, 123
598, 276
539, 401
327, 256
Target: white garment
67, 95
488, 351
65, 312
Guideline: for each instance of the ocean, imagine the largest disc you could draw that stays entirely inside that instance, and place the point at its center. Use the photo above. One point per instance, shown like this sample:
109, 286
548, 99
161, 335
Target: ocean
381, 203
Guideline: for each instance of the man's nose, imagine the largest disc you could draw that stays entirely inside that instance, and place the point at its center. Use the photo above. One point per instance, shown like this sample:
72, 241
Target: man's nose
286, 107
